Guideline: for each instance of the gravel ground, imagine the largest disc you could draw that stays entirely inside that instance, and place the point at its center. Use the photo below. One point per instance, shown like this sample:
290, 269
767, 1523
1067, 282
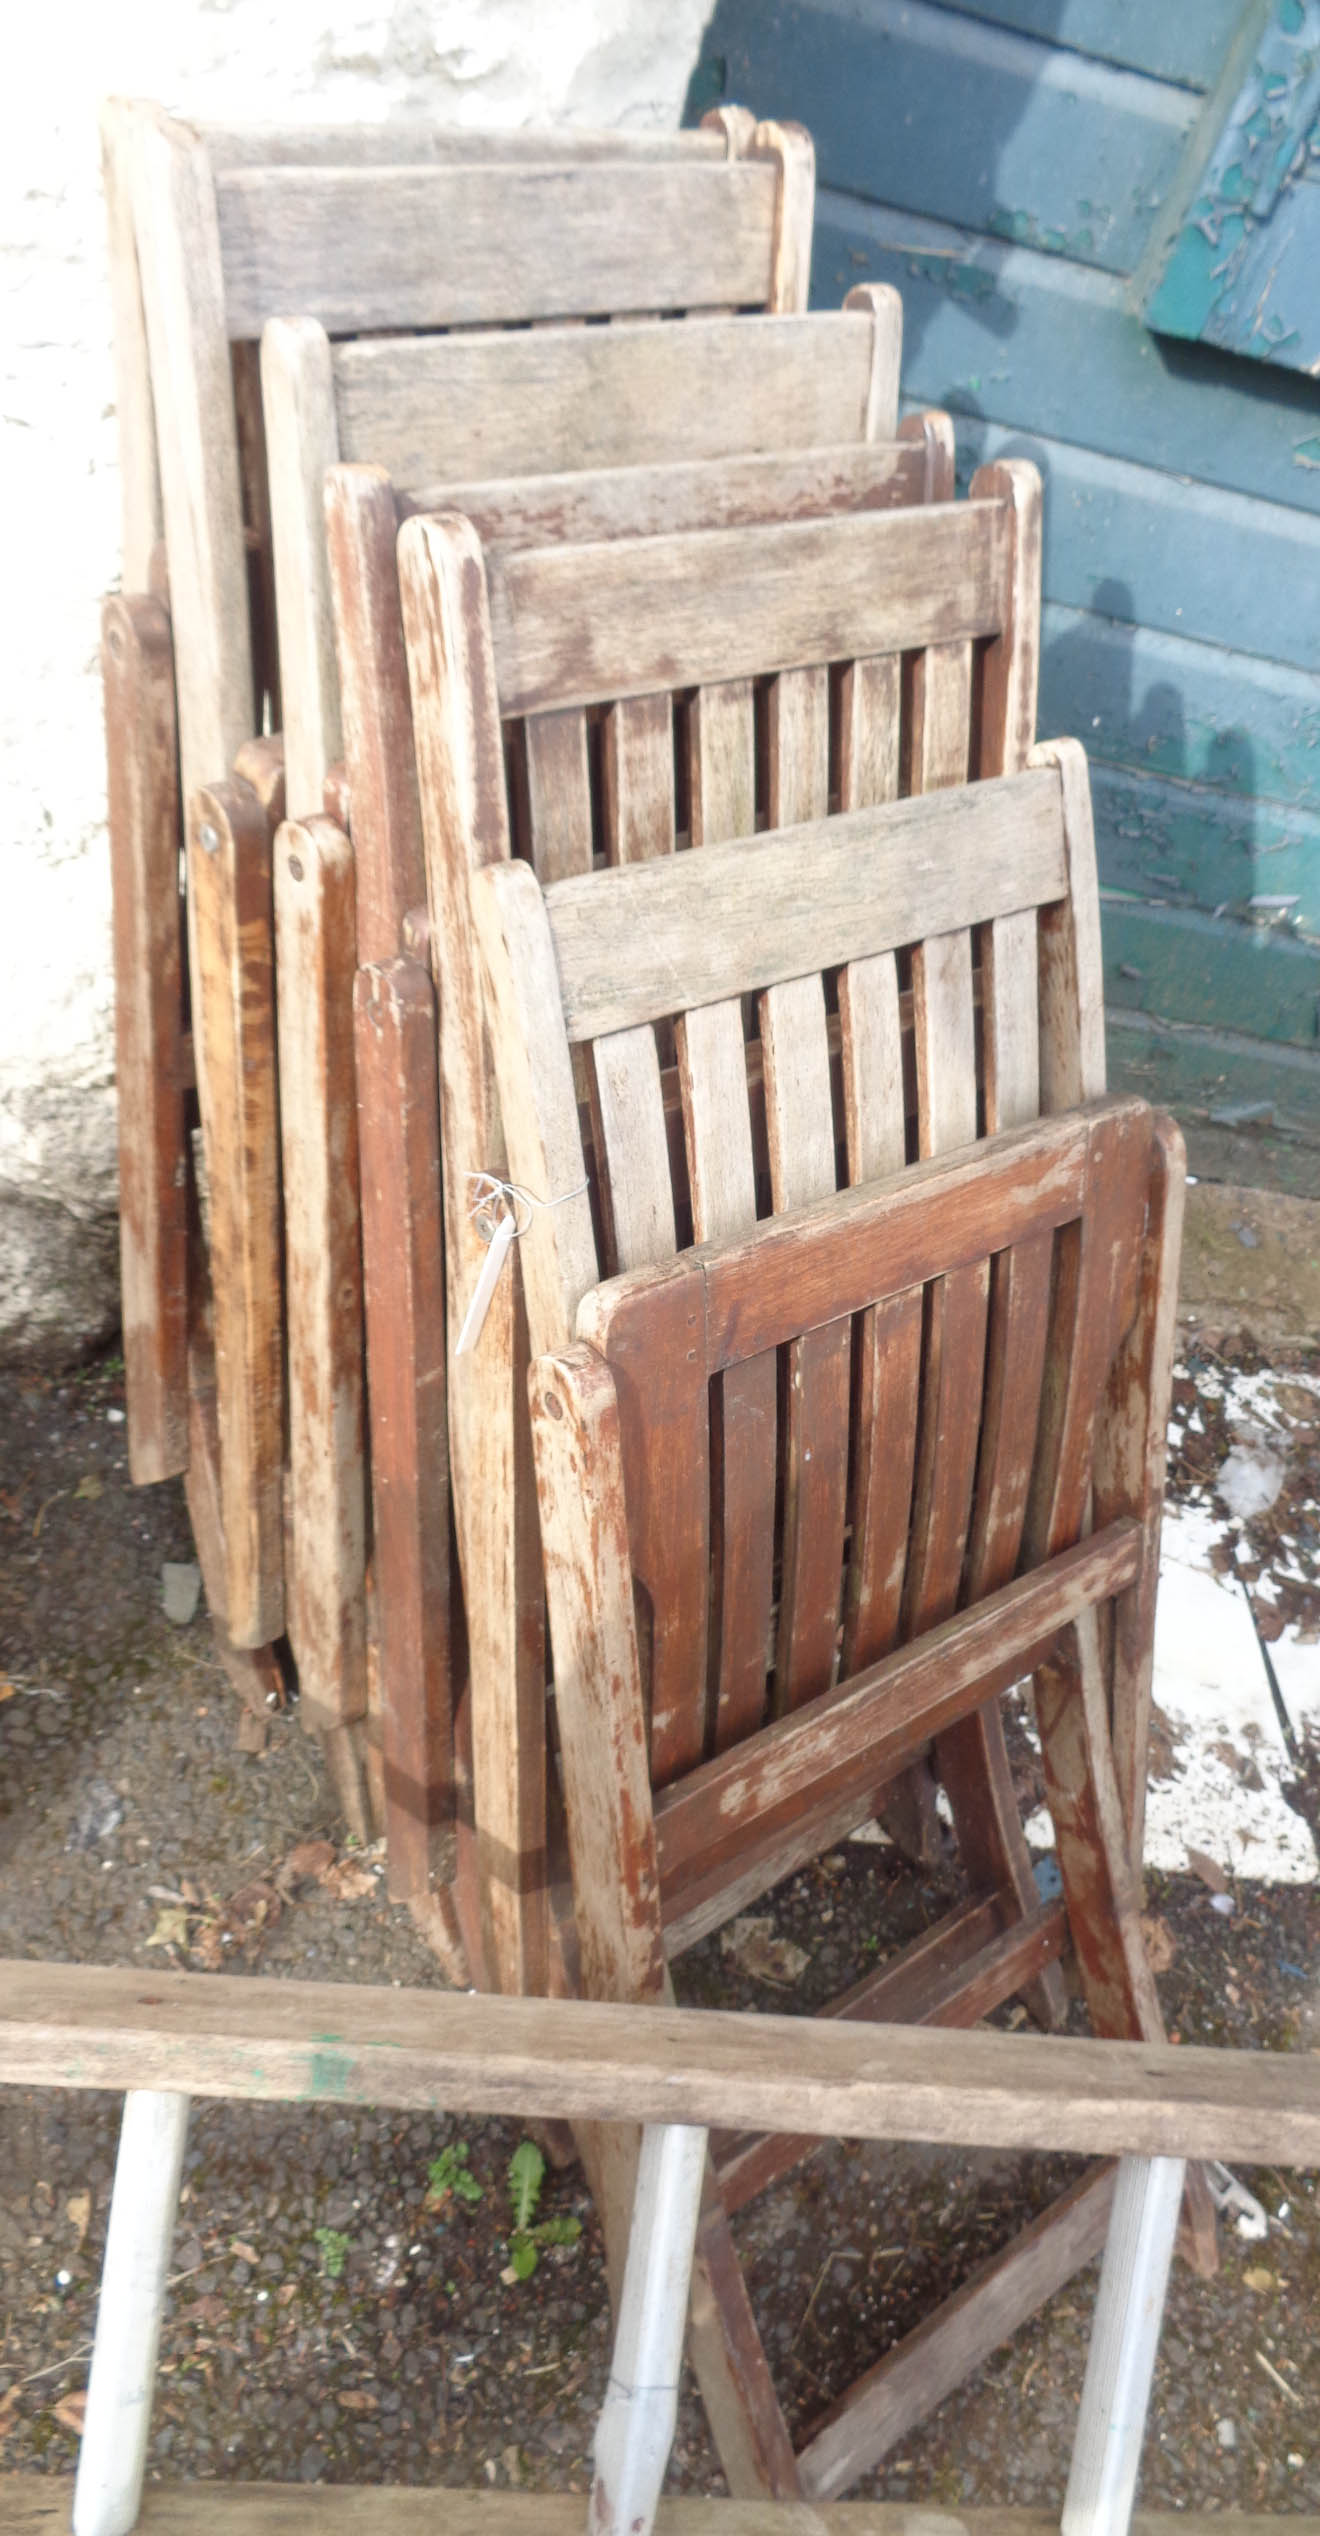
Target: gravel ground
340, 2309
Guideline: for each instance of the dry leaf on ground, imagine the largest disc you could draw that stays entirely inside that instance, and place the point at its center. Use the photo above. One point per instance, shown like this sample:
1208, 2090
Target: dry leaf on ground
78, 2210
70, 2412
764, 1957
1160, 1948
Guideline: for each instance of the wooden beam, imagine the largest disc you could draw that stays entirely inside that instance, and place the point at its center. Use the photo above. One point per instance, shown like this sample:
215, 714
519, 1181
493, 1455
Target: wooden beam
38, 2505
65, 2025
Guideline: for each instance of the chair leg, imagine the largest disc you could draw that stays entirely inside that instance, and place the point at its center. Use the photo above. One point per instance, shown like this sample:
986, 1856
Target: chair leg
1125, 2336
636, 2429
113, 2456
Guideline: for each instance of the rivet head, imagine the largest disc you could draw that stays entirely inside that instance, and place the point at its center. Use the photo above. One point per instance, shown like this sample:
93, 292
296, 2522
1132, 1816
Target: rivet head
295, 868
551, 1405
208, 838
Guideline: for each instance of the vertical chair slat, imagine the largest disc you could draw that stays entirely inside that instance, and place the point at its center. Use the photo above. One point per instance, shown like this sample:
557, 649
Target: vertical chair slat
800, 1130
712, 1064
559, 793
632, 1143
638, 773
376, 715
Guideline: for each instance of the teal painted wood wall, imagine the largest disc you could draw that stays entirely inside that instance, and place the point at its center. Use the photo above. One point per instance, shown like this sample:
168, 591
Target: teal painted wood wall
1011, 166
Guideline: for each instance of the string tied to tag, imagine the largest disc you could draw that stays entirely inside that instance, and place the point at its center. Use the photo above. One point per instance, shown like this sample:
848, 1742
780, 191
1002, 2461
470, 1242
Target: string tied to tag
502, 1212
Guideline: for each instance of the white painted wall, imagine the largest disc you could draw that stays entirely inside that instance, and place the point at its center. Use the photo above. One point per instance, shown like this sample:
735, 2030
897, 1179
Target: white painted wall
493, 62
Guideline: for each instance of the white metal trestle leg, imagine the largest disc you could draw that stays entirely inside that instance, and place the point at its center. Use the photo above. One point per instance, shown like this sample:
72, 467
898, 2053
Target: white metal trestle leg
113, 2456
1125, 2337
636, 2429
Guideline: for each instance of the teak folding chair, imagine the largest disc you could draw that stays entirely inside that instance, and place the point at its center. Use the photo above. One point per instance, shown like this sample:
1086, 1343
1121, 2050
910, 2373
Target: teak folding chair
929, 618
434, 404
212, 234
945, 1351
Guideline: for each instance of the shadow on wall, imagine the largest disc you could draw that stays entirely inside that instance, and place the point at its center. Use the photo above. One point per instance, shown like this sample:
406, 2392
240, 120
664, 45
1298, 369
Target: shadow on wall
855, 82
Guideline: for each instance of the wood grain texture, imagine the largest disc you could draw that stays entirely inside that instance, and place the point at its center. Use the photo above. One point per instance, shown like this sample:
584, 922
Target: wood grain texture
269, 2041
39, 2505
637, 768
361, 530
184, 301
1009, 666
632, 1146
1129, 1461
439, 409
602, 1717
791, 152
255, 1674
398, 1108
584, 506
875, 1723
315, 961
141, 516
558, 794
233, 1015
465, 825
1071, 978
137, 668
413, 248
302, 442
625, 619
631, 946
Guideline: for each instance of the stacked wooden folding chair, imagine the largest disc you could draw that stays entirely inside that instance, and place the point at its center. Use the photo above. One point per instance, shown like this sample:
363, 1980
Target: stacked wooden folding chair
634, 1110
212, 234
783, 381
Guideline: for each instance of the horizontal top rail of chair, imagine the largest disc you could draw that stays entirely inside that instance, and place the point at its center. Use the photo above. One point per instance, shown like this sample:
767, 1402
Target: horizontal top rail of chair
412, 141
38, 2505
879, 1720
73, 2025
633, 393
480, 244
675, 497
648, 939
824, 1261
577, 626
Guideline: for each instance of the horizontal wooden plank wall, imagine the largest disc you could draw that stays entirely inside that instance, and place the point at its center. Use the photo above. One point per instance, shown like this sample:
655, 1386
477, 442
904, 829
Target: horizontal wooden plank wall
1006, 164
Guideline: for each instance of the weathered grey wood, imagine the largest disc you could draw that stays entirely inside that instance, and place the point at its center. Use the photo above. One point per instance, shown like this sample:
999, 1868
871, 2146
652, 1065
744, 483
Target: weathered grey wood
630, 945
184, 299
568, 627
302, 442
791, 153
139, 470
675, 496
333, 2043
436, 409
413, 141
489, 245
465, 822
38, 2505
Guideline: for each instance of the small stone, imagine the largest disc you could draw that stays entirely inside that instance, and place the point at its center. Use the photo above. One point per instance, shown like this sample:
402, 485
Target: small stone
1226, 2433
180, 1590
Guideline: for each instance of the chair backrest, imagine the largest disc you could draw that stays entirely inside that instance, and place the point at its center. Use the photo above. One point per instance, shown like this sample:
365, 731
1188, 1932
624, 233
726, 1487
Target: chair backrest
632, 1448
443, 415
783, 670
209, 241
854, 933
